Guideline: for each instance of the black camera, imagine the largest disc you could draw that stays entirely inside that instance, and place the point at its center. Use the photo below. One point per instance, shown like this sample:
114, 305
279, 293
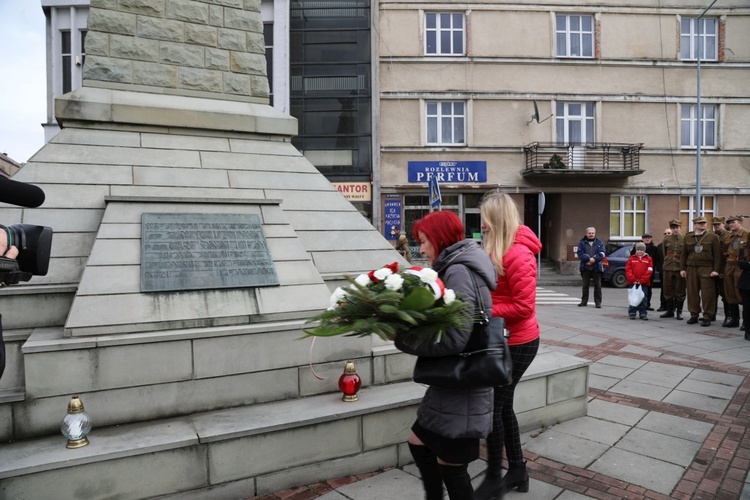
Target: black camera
34, 244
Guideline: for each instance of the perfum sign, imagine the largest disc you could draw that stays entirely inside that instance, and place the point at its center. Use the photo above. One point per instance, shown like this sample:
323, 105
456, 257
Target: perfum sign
448, 171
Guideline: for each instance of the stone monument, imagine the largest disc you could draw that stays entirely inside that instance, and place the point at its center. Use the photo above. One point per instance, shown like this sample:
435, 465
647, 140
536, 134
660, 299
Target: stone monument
191, 243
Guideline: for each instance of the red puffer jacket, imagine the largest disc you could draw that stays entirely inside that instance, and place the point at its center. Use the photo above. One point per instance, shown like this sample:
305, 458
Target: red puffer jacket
639, 269
515, 296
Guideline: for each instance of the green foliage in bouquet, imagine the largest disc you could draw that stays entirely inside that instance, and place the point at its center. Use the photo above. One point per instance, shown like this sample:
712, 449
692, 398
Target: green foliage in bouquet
392, 304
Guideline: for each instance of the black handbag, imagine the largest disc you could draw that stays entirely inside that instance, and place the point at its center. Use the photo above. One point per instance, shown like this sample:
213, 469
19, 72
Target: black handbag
487, 367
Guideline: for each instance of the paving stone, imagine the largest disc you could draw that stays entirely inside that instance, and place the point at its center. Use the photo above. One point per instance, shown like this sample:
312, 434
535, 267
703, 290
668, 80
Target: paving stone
679, 427
717, 377
662, 447
641, 390
622, 361
607, 370
638, 469
567, 449
594, 429
394, 483
616, 413
697, 401
659, 379
665, 368
708, 388
603, 383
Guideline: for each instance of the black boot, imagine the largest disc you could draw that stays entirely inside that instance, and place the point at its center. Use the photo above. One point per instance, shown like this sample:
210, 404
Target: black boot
457, 481
734, 312
516, 477
426, 462
669, 307
678, 309
490, 488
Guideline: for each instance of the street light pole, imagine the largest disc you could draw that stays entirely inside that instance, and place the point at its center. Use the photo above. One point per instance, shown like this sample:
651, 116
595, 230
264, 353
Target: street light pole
699, 112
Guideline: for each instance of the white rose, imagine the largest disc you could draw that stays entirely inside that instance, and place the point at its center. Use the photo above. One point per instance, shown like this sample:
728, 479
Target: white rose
338, 294
449, 296
394, 282
429, 275
383, 273
362, 280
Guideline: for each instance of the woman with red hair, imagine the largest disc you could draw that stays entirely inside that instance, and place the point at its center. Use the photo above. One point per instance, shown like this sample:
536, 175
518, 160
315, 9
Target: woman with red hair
450, 422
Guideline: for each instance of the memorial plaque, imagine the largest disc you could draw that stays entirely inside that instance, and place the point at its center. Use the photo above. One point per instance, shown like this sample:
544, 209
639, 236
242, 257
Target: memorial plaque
203, 252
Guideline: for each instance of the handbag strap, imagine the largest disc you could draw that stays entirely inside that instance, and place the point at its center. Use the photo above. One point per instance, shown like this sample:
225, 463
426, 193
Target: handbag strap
483, 317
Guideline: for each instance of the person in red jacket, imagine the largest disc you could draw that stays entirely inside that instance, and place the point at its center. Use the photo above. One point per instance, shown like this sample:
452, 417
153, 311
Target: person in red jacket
638, 271
512, 248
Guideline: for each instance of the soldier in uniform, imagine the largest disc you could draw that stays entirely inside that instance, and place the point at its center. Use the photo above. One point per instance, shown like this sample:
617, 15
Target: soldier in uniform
735, 241
672, 283
721, 231
699, 265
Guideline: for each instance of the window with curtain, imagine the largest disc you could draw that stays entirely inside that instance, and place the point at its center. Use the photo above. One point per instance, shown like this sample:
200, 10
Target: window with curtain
691, 133
446, 122
574, 35
699, 33
627, 216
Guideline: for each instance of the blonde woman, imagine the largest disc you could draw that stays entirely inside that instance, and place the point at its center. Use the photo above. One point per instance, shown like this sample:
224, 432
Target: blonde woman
512, 247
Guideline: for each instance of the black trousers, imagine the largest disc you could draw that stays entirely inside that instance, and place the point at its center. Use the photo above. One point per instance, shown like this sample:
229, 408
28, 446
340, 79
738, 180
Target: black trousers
587, 276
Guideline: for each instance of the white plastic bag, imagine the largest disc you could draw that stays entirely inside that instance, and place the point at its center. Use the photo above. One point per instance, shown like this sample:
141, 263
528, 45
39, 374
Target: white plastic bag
635, 295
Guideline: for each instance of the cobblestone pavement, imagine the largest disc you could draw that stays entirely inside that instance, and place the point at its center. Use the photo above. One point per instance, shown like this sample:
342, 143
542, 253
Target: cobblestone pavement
668, 414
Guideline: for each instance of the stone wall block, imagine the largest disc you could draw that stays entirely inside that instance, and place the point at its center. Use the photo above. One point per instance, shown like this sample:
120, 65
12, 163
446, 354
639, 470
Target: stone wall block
161, 29
183, 55
387, 428
259, 85
232, 40
250, 64
201, 35
241, 20
104, 4
256, 43
215, 15
200, 79
235, 4
153, 8
567, 385
112, 22
129, 47
97, 44
106, 69
188, 11
157, 75
217, 59
237, 84
252, 5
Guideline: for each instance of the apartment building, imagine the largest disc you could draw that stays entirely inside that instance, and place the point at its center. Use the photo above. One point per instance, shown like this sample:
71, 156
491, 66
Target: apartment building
587, 110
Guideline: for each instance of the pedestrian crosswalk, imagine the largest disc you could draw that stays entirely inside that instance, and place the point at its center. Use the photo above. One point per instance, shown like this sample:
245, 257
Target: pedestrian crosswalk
545, 296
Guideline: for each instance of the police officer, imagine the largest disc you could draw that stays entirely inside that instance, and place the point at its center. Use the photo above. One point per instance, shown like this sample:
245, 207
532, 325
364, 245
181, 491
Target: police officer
720, 230
699, 265
734, 242
672, 282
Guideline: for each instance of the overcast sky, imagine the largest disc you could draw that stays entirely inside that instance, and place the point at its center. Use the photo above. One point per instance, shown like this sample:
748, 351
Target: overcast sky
23, 84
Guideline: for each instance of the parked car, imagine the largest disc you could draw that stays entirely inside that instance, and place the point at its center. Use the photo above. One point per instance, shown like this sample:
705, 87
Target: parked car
615, 274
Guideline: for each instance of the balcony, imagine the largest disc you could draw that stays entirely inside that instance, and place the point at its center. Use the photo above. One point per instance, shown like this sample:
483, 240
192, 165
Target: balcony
565, 161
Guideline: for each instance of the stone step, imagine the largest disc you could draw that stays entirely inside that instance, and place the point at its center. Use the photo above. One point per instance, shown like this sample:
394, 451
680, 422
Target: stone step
258, 449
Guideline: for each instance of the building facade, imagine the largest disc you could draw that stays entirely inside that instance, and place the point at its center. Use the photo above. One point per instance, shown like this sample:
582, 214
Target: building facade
591, 107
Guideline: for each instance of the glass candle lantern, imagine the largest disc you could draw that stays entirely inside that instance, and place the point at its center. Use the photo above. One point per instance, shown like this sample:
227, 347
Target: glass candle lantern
349, 382
76, 425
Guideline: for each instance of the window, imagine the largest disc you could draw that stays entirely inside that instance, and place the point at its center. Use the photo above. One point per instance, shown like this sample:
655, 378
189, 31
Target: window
627, 216
687, 210
444, 33
268, 39
575, 36
575, 123
446, 122
691, 133
691, 31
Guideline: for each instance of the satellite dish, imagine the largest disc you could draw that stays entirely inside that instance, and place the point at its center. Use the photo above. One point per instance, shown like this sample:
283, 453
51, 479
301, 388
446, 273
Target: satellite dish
535, 116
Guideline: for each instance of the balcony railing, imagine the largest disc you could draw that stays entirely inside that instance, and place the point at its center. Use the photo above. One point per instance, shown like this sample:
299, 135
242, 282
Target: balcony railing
603, 157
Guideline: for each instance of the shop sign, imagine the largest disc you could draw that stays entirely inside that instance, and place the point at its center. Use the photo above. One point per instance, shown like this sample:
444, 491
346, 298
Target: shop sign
392, 219
448, 171
354, 191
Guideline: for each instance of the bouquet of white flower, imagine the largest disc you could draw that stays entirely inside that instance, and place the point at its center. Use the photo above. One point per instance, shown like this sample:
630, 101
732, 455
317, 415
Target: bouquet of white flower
387, 302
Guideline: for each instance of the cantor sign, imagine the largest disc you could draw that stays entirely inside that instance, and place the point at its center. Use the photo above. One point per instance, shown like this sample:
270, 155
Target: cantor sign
354, 191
